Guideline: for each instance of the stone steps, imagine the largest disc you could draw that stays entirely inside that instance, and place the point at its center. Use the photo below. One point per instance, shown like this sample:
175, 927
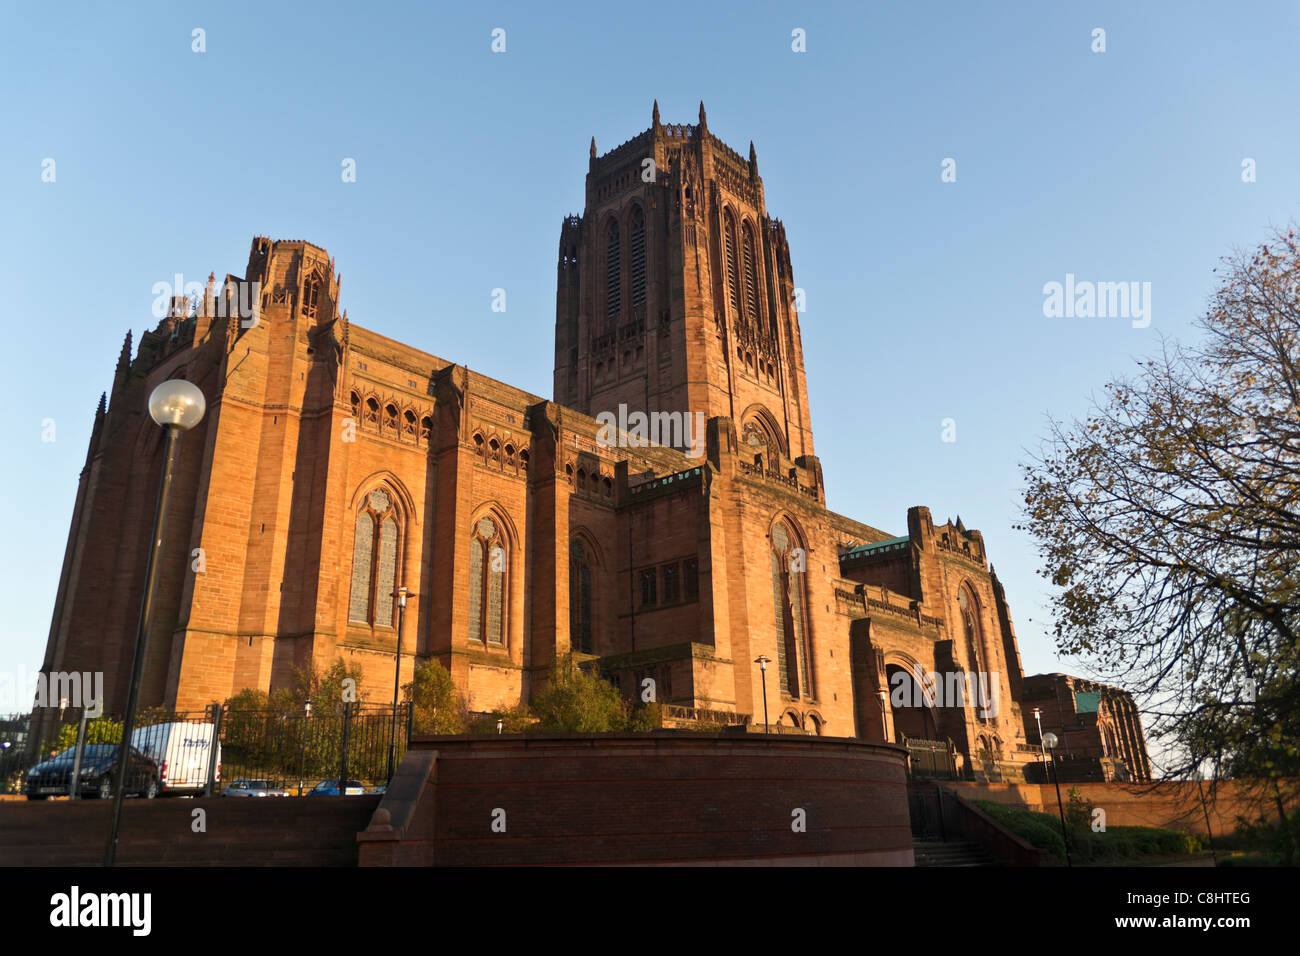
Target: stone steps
936, 853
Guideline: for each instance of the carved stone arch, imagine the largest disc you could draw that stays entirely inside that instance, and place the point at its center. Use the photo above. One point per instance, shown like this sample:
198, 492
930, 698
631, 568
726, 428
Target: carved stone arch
790, 717
595, 552
791, 622
906, 718
490, 617
814, 723
793, 526
585, 581
971, 625
497, 512
383, 527
758, 415
404, 500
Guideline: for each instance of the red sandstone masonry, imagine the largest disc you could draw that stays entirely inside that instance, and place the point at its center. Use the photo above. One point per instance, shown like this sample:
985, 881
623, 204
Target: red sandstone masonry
662, 798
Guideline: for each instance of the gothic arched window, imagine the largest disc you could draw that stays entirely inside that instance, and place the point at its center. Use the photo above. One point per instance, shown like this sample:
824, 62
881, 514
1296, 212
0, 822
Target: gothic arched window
788, 564
733, 273
374, 561
613, 275
638, 257
488, 564
751, 279
311, 294
579, 599
973, 632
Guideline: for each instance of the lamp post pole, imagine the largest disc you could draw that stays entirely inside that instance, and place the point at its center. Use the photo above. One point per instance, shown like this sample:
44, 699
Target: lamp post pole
302, 759
177, 406
1049, 742
401, 594
1038, 716
762, 661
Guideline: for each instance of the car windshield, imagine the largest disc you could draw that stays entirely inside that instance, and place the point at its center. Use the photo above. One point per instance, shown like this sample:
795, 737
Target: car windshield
95, 750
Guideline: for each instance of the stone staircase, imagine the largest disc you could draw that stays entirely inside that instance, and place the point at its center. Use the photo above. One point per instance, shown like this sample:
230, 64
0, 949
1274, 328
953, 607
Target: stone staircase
936, 853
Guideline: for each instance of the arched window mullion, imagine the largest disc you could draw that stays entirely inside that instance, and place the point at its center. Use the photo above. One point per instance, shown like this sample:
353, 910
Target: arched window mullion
733, 272
613, 277
638, 259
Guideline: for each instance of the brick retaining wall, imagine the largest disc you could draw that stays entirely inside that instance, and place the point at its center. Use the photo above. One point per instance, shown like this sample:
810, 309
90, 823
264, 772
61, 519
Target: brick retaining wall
668, 798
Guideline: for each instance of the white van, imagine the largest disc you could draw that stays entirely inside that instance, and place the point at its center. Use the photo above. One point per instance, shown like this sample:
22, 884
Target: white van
181, 751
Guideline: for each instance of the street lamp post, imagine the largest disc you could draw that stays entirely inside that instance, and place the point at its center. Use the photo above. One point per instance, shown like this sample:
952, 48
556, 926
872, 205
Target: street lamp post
177, 406
1049, 742
762, 661
401, 594
302, 759
1038, 716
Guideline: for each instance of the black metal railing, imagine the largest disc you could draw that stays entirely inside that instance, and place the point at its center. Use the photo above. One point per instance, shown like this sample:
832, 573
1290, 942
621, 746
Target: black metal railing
277, 751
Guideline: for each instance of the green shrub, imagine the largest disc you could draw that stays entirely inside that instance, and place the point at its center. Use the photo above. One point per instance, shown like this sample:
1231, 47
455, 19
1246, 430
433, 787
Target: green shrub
1034, 828
1113, 845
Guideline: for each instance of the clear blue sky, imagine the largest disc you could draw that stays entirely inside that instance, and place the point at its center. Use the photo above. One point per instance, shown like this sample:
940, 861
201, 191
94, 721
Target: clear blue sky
924, 299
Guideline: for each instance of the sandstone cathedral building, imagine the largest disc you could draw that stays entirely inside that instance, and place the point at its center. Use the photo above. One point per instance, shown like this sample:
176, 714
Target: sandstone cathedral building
335, 465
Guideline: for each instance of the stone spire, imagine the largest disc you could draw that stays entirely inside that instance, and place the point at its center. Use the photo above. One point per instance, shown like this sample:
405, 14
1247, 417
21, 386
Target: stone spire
654, 117
123, 366
704, 122
96, 428
753, 161
593, 147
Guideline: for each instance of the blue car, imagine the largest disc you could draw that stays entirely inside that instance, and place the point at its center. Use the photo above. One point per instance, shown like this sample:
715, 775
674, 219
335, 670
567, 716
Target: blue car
330, 788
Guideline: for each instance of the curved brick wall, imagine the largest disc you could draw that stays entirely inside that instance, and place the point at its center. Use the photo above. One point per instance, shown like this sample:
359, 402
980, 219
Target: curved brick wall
663, 798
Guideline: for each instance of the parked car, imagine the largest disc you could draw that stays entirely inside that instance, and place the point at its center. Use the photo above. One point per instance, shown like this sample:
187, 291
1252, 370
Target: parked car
259, 787
54, 777
330, 788
182, 750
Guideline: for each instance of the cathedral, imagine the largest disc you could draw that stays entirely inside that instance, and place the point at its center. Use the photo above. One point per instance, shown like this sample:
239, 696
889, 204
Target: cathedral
662, 515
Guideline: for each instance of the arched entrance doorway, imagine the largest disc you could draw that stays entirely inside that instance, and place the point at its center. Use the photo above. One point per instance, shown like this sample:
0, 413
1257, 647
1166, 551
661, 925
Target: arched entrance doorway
911, 715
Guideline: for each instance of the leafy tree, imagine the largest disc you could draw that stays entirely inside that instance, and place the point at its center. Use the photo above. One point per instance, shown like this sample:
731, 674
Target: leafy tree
1168, 521
578, 701
514, 720
326, 689
438, 707
101, 730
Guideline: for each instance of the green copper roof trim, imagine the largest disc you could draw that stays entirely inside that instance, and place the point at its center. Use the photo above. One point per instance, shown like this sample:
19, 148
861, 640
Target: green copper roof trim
875, 546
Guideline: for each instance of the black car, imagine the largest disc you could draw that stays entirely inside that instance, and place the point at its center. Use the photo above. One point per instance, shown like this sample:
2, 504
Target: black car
53, 778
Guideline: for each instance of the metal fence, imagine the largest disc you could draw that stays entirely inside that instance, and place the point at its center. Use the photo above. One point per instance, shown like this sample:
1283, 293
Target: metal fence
276, 750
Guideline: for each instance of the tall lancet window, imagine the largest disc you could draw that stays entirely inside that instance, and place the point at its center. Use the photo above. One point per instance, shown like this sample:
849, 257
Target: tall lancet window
311, 294
751, 280
638, 257
374, 561
733, 273
974, 633
788, 566
579, 599
488, 564
613, 275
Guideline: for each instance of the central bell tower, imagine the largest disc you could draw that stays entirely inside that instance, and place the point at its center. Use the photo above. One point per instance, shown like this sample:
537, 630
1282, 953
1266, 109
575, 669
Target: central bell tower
675, 291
